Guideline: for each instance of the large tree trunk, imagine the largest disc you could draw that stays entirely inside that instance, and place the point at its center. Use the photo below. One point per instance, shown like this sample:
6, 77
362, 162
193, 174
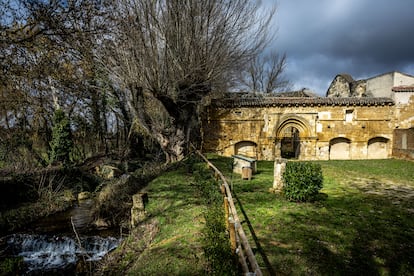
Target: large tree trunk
173, 145
177, 140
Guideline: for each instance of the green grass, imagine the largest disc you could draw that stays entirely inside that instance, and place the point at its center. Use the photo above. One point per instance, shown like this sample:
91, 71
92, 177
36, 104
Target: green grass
177, 248
362, 222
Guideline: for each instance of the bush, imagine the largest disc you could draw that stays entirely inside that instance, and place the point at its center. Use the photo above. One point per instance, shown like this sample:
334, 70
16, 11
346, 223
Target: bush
302, 181
11, 266
216, 243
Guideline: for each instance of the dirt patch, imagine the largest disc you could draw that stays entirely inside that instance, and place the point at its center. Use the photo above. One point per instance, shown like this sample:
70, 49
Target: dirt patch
397, 192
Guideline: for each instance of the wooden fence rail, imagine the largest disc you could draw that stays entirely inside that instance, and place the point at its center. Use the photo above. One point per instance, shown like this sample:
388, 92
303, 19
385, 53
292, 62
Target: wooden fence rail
238, 238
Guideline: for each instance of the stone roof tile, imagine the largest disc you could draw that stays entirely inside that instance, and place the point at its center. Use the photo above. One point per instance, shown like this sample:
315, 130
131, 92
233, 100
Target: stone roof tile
299, 101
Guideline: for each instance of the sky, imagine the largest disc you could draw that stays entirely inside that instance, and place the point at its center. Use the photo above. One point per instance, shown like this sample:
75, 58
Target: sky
324, 38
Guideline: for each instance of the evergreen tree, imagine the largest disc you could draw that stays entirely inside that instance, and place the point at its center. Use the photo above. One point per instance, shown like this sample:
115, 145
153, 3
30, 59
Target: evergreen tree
62, 143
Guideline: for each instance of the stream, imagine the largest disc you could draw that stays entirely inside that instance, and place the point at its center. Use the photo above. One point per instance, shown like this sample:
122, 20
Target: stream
52, 246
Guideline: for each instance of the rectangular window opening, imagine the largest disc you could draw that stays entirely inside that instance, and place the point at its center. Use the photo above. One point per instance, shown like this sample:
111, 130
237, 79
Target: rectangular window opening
349, 115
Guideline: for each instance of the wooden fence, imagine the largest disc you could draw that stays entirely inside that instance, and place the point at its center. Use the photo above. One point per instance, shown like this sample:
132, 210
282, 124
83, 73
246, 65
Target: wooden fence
238, 239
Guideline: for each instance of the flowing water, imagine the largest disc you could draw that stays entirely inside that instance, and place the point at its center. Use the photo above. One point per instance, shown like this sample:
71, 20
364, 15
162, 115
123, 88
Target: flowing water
78, 217
42, 253
58, 243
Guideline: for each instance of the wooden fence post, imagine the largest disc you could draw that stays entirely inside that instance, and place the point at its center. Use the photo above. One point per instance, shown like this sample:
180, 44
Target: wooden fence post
232, 232
235, 230
242, 260
226, 212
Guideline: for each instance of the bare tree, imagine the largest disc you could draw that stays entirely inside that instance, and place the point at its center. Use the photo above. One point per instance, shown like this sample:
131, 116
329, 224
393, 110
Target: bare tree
265, 74
169, 55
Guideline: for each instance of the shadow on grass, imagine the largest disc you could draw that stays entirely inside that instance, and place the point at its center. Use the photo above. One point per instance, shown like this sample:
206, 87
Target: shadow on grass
254, 236
344, 236
357, 226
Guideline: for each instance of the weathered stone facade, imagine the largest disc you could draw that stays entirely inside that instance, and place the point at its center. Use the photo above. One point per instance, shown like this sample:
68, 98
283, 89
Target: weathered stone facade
343, 85
403, 146
308, 128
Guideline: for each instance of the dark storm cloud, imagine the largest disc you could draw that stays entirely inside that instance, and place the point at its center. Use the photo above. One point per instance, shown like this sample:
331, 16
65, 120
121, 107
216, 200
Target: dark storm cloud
364, 38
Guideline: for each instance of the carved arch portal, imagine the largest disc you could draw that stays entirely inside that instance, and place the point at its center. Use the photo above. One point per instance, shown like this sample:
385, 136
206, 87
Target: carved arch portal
293, 121
290, 134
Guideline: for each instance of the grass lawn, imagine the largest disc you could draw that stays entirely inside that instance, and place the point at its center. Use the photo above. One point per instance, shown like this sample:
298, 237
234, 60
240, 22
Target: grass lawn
176, 248
169, 241
362, 222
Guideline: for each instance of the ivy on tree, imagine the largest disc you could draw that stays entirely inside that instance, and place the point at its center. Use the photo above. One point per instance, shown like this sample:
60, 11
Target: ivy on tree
62, 143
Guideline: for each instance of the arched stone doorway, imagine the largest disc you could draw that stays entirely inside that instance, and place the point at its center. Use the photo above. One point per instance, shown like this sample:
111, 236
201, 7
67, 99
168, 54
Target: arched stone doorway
290, 143
292, 136
340, 149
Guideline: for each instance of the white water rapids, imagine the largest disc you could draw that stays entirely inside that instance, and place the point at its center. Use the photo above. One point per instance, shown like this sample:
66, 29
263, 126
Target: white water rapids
44, 252
54, 246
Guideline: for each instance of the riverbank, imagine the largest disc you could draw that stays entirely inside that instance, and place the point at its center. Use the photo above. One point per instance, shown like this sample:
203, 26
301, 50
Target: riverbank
169, 241
56, 210
361, 224
29, 196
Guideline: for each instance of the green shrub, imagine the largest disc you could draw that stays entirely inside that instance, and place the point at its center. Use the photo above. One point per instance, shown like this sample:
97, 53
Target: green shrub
11, 266
216, 243
302, 181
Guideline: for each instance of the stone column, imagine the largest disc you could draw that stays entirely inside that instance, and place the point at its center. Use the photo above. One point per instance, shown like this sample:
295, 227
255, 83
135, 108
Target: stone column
279, 169
277, 148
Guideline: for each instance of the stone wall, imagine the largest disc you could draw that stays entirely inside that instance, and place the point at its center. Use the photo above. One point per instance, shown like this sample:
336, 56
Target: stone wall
381, 86
335, 129
403, 146
356, 120
340, 86
404, 114
343, 85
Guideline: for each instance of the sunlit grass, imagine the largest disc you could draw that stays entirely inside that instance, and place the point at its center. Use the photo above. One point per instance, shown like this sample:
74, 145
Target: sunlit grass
362, 223
176, 249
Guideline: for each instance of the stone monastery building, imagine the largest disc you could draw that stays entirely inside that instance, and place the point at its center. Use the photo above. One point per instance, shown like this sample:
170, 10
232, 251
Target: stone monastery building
363, 119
